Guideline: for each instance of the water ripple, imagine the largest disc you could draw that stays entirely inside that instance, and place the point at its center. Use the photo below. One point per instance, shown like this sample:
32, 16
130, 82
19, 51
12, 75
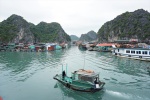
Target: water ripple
126, 79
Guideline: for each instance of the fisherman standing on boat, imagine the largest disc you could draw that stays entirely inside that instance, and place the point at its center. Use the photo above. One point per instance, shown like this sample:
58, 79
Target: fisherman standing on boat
63, 74
96, 83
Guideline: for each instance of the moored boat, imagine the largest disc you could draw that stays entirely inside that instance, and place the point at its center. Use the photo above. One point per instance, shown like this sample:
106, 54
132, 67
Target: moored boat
81, 80
91, 46
135, 53
82, 46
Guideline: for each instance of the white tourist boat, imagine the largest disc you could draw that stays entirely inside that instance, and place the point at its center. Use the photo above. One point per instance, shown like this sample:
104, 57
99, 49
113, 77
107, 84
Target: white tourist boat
135, 53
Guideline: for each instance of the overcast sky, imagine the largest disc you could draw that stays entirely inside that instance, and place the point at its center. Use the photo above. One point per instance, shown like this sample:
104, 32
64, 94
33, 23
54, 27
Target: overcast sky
75, 16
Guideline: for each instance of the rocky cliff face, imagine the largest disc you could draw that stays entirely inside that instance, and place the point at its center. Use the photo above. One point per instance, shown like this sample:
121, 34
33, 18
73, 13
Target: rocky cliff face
126, 26
16, 29
90, 36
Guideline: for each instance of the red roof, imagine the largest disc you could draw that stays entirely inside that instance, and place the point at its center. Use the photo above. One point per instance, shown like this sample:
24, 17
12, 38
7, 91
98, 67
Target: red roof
105, 44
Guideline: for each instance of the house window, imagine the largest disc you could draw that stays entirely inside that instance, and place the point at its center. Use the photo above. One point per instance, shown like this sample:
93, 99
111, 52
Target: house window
133, 52
127, 51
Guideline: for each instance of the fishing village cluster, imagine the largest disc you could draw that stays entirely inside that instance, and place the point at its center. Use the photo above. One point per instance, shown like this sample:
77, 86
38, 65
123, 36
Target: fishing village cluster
123, 48
38, 47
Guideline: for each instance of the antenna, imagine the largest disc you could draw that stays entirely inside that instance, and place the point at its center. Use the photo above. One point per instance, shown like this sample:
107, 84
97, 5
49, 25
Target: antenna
66, 69
62, 67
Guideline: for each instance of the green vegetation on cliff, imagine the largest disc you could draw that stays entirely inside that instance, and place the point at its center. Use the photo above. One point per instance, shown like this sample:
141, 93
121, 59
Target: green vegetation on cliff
126, 26
7, 32
7, 29
49, 32
16, 29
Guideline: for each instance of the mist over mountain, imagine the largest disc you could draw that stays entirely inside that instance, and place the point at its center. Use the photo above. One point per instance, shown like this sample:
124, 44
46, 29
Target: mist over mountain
90, 36
74, 38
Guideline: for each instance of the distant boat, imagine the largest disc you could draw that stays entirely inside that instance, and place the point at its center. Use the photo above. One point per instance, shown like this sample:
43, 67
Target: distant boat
81, 80
91, 46
135, 53
63, 45
82, 46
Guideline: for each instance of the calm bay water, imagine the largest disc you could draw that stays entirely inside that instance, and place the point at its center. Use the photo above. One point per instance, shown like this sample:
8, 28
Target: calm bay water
29, 75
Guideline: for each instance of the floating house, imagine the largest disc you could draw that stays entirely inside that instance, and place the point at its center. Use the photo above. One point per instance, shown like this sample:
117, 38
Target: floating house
50, 46
57, 47
31, 47
10, 47
104, 47
40, 47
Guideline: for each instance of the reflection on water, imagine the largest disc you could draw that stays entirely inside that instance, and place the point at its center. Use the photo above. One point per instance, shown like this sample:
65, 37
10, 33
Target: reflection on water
29, 75
24, 64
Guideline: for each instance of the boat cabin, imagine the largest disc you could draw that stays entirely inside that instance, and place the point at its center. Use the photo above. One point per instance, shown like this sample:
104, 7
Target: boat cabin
133, 51
85, 75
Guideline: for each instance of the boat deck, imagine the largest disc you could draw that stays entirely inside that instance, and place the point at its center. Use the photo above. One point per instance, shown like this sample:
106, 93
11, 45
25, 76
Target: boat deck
76, 83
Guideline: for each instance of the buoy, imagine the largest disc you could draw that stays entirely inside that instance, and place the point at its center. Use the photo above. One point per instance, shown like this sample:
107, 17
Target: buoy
1, 98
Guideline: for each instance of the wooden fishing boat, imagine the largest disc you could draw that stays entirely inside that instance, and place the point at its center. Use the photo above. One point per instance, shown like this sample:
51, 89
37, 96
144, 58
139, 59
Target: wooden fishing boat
82, 46
81, 80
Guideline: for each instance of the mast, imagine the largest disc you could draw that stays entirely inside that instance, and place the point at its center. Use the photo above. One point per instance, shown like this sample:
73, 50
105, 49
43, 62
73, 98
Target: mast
66, 69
